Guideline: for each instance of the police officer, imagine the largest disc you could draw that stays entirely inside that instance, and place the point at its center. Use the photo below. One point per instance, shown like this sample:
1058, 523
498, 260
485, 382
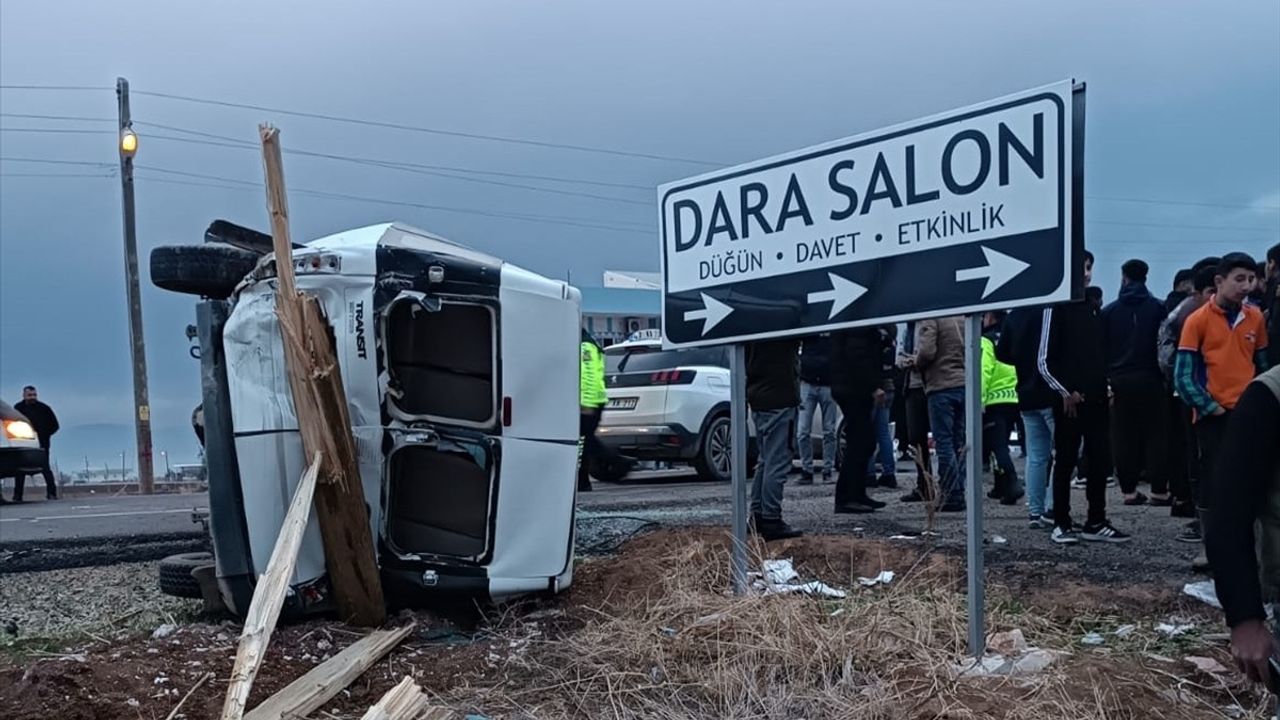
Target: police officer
592, 399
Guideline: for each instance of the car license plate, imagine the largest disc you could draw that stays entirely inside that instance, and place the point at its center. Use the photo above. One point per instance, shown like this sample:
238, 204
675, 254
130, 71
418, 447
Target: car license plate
622, 403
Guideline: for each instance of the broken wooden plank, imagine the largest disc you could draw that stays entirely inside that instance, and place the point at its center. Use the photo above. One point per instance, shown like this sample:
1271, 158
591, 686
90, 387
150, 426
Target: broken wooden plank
324, 420
405, 701
311, 691
268, 596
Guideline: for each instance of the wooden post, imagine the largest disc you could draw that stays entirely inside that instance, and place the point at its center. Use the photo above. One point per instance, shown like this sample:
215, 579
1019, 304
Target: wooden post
310, 692
323, 418
268, 596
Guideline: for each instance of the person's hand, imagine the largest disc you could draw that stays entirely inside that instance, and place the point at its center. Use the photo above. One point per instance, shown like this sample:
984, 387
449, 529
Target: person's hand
1218, 411
1069, 403
1252, 646
880, 397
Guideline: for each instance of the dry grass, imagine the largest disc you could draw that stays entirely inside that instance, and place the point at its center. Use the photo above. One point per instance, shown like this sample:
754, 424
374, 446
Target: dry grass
692, 651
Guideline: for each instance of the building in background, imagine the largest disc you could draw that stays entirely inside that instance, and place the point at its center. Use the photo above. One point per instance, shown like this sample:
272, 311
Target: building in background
629, 302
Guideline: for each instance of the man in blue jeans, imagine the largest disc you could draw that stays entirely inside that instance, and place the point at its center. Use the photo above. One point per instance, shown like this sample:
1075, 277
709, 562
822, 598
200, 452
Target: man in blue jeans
888, 477
773, 391
815, 396
940, 358
1019, 346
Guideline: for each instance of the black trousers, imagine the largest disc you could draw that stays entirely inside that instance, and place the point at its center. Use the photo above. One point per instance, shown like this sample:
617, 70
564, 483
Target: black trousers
1140, 433
591, 447
1090, 425
51, 487
1178, 449
997, 421
1210, 431
917, 410
859, 443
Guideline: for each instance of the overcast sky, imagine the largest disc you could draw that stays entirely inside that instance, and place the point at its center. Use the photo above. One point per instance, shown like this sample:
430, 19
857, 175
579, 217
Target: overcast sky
1183, 107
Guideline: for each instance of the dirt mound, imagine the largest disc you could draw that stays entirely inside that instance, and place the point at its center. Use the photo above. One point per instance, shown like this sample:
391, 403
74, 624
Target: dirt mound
653, 632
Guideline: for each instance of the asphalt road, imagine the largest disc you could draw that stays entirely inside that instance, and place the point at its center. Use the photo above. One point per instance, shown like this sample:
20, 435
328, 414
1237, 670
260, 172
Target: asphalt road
675, 498
81, 517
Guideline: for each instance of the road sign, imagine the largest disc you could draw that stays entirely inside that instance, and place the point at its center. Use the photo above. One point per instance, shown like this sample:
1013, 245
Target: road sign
953, 214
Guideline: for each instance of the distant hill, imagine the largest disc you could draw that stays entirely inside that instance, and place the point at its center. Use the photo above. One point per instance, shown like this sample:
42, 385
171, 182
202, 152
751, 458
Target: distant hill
102, 443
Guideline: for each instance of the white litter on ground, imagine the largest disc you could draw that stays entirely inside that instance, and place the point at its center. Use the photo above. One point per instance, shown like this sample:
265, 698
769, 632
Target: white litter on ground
1033, 661
1207, 665
1092, 638
1173, 631
1125, 631
778, 577
1204, 592
884, 578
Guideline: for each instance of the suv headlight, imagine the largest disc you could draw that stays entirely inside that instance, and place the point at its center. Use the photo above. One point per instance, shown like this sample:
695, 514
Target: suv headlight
19, 430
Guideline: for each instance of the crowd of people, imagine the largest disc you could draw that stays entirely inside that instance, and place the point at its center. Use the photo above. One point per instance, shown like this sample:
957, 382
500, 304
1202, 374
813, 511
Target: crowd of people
1140, 390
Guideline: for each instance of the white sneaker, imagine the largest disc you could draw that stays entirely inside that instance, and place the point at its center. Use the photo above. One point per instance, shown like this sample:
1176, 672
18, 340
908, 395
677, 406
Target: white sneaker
1065, 537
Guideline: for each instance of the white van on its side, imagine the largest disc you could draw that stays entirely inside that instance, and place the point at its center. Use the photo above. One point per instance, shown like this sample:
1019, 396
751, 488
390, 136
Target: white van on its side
461, 375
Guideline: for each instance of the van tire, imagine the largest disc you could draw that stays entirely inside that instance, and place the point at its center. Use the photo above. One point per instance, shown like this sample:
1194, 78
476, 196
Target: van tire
212, 270
175, 574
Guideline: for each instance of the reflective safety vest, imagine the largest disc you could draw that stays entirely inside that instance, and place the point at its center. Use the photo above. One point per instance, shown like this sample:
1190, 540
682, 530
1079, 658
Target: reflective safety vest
591, 382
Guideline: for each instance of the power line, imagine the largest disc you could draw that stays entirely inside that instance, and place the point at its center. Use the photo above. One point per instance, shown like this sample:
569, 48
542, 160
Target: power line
1182, 227
57, 131
53, 87
68, 118
54, 175
235, 183
497, 173
47, 161
404, 167
1153, 201
431, 131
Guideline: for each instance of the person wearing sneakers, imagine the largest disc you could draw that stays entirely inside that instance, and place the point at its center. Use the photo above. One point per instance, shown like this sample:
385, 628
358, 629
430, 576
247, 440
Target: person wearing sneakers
1019, 346
1131, 325
773, 392
1184, 453
883, 453
1222, 348
999, 410
857, 383
815, 396
1072, 361
940, 358
1249, 493
917, 417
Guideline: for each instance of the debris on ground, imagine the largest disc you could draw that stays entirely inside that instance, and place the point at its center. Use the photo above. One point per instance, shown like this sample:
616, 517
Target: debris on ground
1207, 665
884, 578
1204, 591
780, 577
1125, 631
1170, 630
1093, 638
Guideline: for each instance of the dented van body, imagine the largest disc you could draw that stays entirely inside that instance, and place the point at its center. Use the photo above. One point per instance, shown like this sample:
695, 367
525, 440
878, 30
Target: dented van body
461, 376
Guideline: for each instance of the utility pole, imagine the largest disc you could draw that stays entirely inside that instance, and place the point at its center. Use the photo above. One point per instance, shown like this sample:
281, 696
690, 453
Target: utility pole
128, 147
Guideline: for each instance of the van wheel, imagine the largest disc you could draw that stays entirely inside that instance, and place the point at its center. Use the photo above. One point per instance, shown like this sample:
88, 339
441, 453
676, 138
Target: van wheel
175, 574
715, 452
212, 270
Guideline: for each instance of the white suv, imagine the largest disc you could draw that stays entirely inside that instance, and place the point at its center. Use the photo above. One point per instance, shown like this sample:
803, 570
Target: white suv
672, 406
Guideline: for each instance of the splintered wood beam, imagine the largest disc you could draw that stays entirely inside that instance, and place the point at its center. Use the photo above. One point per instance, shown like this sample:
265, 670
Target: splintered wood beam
324, 421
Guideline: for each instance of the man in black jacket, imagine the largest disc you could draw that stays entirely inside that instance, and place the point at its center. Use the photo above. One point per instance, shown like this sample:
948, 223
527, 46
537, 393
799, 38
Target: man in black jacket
858, 384
1072, 361
1249, 497
1019, 346
45, 423
1130, 328
815, 396
773, 391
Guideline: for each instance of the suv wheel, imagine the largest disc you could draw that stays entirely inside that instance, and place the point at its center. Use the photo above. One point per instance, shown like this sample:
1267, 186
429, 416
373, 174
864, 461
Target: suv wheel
715, 451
